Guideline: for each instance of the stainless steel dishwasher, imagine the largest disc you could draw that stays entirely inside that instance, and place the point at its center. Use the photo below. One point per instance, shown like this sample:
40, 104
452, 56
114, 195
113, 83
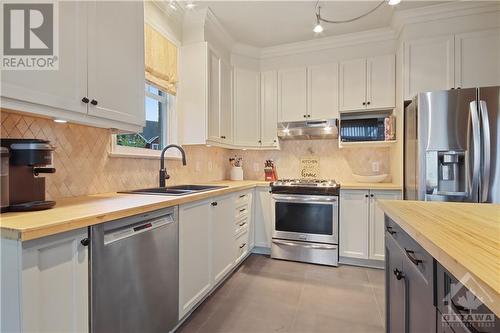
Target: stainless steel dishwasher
135, 273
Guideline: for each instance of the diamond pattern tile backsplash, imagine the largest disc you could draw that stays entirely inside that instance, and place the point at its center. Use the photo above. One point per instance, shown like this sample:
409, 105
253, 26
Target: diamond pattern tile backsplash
83, 165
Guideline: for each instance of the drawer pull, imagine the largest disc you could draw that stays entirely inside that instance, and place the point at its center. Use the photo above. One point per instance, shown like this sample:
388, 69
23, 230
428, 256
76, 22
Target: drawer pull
242, 210
399, 274
242, 224
389, 230
411, 255
242, 196
214, 203
243, 245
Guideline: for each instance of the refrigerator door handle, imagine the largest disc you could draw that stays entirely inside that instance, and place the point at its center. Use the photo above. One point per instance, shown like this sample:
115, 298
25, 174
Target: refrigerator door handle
473, 124
485, 181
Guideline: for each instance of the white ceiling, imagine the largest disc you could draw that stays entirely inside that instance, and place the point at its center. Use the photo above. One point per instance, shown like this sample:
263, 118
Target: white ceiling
269, 23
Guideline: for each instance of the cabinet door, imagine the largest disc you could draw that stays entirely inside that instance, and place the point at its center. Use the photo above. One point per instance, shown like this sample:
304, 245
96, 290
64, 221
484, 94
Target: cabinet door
428, 65
477, 59
226, 114
63, 88
116, 60
381, 82
352, 90
354, 224
214, 102
194, 254
223, 225
322, 91
376, 225
292, 98
269, 107
246, 108
395, 290
55, 284
263, 217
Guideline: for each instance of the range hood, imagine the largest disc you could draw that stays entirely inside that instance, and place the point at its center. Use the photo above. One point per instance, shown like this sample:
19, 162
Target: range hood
309, 129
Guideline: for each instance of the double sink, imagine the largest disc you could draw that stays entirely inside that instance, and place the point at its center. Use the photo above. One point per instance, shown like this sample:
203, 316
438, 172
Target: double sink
176, 190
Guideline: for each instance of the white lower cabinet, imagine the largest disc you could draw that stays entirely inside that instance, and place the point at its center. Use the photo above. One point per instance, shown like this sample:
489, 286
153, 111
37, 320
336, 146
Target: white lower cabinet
209, 247
263, 217
362, 223
47, 286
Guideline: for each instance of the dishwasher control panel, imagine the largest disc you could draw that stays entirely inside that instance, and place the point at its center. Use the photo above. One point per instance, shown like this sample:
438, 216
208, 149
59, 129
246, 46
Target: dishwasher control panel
114, 235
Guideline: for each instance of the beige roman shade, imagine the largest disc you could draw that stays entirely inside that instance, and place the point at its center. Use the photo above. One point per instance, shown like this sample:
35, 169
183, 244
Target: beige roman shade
161, 60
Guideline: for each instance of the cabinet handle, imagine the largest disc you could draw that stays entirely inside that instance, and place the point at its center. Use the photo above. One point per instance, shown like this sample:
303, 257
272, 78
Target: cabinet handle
368, 103
411, 255
260, 141
308, 116
243, 245
274, 140
242, 210
214, 203
305, 116
85, 242
364, 103
93, 102
389, 230
242, 224
223, 137
399, 274
85, 100
366, 195
242, 196
371, 195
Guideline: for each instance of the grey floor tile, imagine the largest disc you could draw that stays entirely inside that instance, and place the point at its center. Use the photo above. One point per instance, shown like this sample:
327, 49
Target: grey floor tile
307, 322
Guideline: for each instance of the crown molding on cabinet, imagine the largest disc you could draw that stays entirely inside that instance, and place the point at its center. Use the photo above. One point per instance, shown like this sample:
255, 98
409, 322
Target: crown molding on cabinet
212, 22
440, 12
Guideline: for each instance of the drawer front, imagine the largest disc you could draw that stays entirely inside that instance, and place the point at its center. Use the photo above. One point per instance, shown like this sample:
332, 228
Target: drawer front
241, 246
242, 211
462, 317
243, 198
241, 226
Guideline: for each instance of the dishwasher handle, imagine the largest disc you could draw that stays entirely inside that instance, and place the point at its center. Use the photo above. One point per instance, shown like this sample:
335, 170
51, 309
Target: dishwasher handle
117, 234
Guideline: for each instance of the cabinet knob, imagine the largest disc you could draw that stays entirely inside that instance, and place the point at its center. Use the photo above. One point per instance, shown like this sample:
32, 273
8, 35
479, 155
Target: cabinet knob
93, 102
274, 140
223, 137
85, 100
399, 274
305, 116
308, 116
366, 195
364, 103
260, 141
368, 103
371, 195
214, 203
85, 242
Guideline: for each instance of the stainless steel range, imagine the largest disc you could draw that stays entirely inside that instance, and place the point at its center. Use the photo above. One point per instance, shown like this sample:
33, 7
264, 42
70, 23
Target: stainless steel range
305, 220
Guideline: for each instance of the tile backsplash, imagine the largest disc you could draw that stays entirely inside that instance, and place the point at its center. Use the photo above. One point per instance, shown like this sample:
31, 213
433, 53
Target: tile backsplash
83, 165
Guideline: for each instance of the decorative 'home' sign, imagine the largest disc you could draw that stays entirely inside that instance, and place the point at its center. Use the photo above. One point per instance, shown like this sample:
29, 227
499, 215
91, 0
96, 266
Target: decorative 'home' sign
309, 167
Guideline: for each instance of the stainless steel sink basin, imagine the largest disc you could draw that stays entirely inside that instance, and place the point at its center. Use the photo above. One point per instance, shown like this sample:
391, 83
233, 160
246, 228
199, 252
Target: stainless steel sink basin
175, 190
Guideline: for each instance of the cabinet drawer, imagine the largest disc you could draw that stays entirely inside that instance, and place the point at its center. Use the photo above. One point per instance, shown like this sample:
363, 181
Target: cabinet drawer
241, 246
241, 226
241, 212
413, 251
243, 198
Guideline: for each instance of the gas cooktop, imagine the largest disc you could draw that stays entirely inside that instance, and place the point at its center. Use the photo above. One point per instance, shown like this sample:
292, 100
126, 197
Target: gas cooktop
305, 186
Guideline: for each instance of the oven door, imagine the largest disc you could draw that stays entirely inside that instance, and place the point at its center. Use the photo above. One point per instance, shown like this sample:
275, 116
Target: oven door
306, 218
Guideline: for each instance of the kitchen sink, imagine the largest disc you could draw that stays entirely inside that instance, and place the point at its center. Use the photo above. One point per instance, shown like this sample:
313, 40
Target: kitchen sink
175, 190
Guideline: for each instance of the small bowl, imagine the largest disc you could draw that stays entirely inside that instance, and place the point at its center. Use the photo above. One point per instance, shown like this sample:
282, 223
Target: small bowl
370, 179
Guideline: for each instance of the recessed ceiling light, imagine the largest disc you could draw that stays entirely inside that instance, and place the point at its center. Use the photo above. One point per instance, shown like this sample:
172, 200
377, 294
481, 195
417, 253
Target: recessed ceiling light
394, 2
61, 121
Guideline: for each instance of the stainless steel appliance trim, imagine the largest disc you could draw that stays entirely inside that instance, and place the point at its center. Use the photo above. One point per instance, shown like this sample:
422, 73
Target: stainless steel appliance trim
306, 245
305, 253
118, 234
305, 198
485, 182
31, 146
474, 125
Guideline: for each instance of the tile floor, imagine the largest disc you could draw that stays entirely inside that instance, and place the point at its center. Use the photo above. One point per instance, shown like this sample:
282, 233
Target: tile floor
266, 295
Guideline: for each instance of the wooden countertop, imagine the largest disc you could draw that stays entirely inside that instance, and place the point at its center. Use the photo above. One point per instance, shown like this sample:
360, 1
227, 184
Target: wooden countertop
463, 237
366, 186
79, 212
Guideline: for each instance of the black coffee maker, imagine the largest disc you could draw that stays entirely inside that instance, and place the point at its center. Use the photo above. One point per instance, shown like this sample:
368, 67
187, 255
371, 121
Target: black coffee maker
28, 159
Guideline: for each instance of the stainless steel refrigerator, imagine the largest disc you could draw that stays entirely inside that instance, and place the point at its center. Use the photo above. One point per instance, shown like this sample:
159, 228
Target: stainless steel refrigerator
451, 145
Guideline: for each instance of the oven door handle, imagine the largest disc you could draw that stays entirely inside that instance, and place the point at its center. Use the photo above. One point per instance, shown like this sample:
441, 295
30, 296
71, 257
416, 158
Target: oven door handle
303, 198
307, 246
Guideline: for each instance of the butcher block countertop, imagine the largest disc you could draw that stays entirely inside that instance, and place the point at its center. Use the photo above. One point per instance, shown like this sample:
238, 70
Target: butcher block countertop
79, 212
463, 237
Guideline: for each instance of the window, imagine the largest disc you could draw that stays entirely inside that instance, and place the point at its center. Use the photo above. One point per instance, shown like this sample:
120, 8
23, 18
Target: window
159, 130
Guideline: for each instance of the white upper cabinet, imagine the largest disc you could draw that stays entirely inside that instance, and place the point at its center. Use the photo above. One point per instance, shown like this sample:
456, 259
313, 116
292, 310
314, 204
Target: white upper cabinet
214, 96
292, 98
63, 88
322, 91
226, 109
246, 107
269, 107
352, 85
381, 82
477, 59
368, 83
428, 65
116, 61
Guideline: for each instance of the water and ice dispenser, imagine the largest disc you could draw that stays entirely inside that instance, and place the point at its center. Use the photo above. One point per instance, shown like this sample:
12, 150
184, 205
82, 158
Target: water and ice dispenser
446, 175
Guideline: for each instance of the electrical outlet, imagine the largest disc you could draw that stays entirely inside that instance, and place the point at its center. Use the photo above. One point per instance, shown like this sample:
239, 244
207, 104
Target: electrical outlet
256, 167
375, 166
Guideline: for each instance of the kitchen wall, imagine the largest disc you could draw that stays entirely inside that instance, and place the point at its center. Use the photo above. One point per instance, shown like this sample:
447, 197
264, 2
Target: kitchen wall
335, 163
84, 166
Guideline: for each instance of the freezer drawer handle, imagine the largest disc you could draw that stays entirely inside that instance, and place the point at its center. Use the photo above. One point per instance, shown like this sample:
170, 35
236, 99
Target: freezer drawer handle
307, 246
411, 255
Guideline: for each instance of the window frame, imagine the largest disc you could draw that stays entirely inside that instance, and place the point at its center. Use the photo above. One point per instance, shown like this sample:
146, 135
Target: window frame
169, 127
